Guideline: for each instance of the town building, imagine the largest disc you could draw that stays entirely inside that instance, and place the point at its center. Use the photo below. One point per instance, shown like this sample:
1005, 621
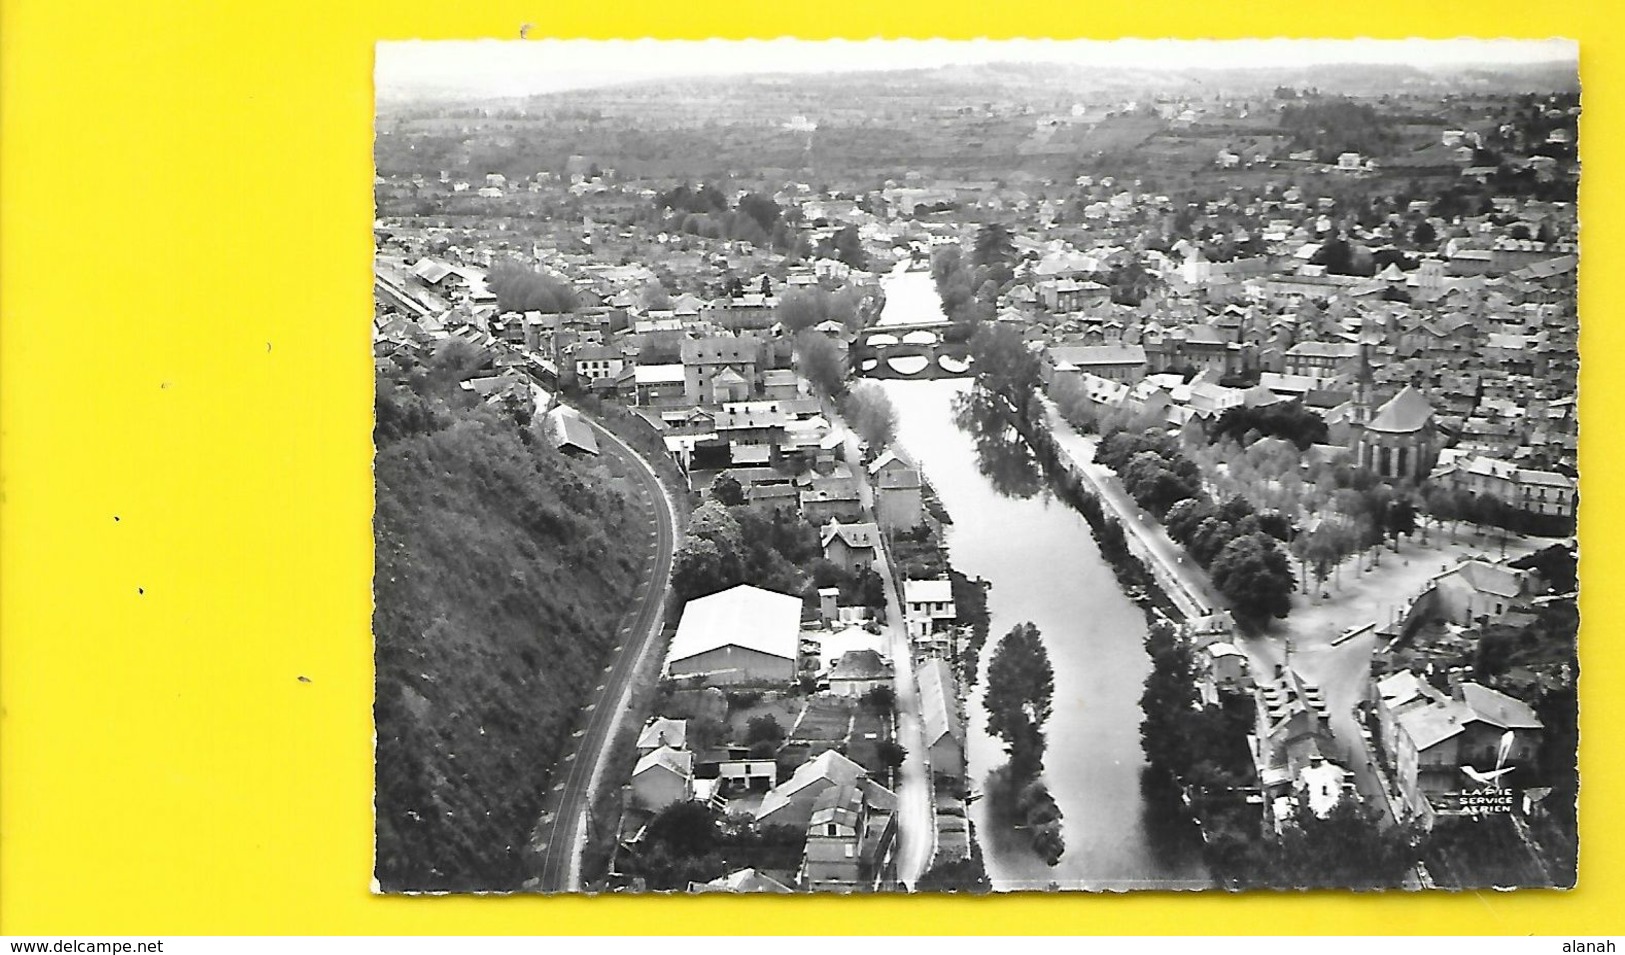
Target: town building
852, 547
942, 722
898, 492
859, 672
662, 777
928, 606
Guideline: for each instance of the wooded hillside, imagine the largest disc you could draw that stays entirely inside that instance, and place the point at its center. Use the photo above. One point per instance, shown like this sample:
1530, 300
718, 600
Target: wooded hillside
500, 576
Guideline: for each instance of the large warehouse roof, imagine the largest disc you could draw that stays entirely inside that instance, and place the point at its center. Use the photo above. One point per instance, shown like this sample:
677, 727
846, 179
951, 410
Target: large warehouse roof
744, 616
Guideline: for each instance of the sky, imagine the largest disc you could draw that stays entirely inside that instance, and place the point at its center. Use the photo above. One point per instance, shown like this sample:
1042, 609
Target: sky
518, 67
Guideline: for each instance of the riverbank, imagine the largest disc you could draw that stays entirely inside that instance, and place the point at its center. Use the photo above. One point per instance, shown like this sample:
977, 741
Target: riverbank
1075, 486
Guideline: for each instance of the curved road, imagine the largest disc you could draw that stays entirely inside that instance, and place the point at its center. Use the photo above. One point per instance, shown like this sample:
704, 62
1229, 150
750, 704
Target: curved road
564, 817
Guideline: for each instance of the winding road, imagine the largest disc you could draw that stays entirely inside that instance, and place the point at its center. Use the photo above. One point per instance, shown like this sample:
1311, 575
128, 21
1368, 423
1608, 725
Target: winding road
563, 832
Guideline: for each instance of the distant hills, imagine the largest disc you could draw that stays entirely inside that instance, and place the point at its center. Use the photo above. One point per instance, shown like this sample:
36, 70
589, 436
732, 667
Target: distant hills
997, 80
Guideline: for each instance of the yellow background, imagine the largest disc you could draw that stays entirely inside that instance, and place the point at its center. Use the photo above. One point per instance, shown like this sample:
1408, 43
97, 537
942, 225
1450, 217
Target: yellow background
185, 397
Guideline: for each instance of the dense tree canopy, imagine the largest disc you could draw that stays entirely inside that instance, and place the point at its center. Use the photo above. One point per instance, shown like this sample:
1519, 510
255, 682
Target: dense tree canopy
1255, 576
522, 289
1290, 420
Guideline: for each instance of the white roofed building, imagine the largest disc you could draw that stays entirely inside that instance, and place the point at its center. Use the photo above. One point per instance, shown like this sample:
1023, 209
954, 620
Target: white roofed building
742, 635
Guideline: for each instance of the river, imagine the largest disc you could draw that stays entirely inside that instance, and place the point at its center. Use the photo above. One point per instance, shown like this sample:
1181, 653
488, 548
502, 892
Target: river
1044, 566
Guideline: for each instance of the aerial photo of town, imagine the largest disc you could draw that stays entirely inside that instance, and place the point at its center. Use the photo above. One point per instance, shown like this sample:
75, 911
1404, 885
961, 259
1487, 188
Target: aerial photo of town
976, 467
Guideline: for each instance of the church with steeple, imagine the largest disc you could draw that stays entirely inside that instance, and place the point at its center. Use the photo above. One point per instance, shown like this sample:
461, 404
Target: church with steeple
1397, 440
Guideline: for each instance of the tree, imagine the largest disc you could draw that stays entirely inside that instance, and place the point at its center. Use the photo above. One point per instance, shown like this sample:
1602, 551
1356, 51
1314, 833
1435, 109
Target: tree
1351, 847
849, 248
1336, 255
697, 570
726, 489
820, 362
994, 247
1283, 419
1255, 576
1425, 236
881, 698
802, 308
764, 728
655, 296
761, 209
1185, 517
1400, 519
868, 409
1170, 691
890, 753
1005, 362
956, 875
1020, 685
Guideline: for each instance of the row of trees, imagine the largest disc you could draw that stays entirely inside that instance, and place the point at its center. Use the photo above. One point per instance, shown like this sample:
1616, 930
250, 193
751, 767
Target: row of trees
970, 290
863, 404
1238, 546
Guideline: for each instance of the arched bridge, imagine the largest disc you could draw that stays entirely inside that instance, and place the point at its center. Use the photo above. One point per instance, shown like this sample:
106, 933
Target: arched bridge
917, 350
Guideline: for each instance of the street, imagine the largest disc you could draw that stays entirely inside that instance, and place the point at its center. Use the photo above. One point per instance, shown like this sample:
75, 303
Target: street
564, 828
916, 839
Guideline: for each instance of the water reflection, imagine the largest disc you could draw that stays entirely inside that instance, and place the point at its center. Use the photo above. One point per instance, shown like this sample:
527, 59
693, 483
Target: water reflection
1001, 455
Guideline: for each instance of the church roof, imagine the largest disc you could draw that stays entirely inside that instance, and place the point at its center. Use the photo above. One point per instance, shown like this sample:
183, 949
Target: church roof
1406, 412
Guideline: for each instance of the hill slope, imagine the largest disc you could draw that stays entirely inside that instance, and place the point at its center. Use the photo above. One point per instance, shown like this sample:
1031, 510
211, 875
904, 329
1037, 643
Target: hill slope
497, 590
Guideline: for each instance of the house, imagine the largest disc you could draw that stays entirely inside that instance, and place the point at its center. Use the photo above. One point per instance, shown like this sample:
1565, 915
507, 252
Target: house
1125, 363
1396, 694
736, 771
1535, 492
851, 835
1291, 727
593, 362
852, 547
742, 635
898, 502
744, 880
1320, 359
831, 500
781, 384
858, 672
790, 803
661, 731
759, 426
1478, 588
1476, 727
1223, 670
570, 432
928, 606
942, 723
662, 777
659, 386
719, 369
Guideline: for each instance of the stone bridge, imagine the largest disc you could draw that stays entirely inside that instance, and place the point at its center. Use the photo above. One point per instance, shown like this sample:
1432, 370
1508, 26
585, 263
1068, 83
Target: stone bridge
913, 351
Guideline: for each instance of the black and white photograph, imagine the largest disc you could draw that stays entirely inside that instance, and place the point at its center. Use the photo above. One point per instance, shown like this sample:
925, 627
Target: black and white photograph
976, 466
